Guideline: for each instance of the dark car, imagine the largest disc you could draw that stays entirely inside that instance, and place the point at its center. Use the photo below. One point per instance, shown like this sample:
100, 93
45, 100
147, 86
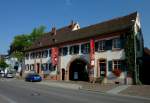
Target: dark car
33, 78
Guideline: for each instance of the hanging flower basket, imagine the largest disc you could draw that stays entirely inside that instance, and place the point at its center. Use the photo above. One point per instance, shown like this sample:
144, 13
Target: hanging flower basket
117, 72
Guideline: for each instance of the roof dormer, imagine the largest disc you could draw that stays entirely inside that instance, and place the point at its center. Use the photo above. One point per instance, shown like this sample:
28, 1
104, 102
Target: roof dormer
74, 26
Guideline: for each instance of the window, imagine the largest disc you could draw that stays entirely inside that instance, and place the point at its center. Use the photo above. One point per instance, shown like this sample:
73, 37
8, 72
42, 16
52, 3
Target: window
119, 64
32, 55
63, 51
85, 48
27, 56
108, 44
38, 54
117, 43
32, 67
27, 67
51, 67
45, 53
74, 49
44, 67
100, 46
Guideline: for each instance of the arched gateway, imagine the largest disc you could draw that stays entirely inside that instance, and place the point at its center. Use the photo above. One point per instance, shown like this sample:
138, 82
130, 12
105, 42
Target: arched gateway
79, 70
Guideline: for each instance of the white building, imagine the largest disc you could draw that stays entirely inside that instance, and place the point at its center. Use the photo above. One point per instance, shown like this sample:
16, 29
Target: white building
92, 53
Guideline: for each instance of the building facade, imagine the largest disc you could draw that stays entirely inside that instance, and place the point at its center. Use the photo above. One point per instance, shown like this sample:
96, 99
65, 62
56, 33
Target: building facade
93, 53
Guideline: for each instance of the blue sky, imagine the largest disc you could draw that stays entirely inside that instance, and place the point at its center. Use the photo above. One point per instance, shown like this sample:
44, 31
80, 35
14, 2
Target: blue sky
21, 16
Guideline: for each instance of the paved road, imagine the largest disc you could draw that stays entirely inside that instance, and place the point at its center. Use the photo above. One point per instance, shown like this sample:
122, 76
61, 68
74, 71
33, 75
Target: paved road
17, 91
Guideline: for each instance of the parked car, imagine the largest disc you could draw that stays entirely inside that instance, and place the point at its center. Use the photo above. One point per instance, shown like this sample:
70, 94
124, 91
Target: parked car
33, 78
10, 75
2, 74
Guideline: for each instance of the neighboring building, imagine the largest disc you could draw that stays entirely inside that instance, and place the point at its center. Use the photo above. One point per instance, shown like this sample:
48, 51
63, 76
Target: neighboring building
144, 72
13, 63
85, 54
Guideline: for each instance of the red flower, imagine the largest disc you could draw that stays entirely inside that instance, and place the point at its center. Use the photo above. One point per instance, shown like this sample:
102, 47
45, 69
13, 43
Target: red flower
117, 72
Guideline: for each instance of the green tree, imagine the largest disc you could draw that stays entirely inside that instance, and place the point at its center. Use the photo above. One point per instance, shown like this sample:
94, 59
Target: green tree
23, 41
3, 64
36, 33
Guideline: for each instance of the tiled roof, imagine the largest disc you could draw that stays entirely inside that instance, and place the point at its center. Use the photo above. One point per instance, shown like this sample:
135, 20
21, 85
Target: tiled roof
65, 34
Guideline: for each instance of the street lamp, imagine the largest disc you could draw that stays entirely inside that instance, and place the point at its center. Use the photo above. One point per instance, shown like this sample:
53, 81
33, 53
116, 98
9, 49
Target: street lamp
135, 52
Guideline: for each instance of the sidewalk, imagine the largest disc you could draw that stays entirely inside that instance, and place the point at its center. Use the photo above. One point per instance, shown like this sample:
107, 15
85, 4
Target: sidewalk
80, 85
137, 90
130, 90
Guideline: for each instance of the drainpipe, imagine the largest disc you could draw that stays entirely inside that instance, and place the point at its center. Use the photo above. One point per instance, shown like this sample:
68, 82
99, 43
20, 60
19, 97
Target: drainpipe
135, 54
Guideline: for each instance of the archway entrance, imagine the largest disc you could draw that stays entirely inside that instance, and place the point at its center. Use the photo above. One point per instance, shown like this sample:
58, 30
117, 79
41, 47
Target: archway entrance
78, 70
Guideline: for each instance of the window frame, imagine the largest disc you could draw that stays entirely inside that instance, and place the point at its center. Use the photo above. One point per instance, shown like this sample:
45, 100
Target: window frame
85, 48
118, 64
116, 43
63, 51
74, 49
100, 45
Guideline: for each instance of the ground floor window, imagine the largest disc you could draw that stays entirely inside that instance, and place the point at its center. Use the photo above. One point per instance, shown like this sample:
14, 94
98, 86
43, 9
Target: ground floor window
44, 66
32, 67
119, 64
27, 67
116, 65
51, 67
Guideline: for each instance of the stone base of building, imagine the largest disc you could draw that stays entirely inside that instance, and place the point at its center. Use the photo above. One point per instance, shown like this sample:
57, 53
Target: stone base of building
91, 79
51, 77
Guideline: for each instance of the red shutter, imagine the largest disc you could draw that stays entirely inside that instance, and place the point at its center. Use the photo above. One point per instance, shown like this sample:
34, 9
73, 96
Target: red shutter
92, 52
54, 56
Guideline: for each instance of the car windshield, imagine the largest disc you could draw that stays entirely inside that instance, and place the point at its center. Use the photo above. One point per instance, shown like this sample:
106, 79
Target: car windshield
33, 75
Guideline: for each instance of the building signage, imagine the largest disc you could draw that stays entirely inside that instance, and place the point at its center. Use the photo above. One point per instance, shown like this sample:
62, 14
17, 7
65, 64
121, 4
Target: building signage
92, 52
54, 55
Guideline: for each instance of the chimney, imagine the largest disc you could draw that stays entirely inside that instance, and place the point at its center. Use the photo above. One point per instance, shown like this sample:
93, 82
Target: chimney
53, 31
72, 24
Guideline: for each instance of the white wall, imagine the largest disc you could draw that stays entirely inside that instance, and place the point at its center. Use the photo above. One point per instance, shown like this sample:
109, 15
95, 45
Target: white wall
108, 55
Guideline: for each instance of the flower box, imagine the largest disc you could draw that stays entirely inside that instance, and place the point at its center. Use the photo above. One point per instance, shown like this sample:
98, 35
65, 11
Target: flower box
117, 72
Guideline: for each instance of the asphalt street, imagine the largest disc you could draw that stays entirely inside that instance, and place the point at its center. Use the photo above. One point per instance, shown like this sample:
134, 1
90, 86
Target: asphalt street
19, 91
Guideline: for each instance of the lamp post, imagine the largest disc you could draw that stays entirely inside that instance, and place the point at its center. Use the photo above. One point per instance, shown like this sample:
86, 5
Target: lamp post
135, 52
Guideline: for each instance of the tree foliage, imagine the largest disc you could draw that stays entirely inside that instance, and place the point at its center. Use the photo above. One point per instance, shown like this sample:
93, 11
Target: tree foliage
129, 51
23, 41
3, 64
